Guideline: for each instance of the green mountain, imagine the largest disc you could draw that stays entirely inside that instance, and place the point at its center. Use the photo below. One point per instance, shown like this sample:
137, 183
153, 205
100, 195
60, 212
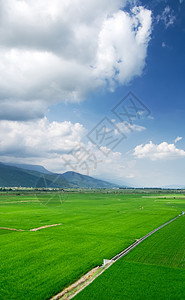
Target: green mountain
86, 181
13, 176
37, 168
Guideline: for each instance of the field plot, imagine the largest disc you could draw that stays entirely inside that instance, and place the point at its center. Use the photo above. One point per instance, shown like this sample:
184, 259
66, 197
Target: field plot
94, 226
155, 269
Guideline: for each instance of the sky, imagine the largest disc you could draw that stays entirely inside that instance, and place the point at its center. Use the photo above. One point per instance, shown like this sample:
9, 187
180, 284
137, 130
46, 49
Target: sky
96, 87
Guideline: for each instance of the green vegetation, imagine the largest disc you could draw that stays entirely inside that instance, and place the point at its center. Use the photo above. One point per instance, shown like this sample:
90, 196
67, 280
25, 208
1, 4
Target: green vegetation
37, 265
11, 176
155, 269
126, 280
165, 248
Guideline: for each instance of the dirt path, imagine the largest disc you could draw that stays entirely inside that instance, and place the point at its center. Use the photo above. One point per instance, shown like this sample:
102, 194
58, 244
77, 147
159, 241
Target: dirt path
86, 279
79, 283
6, 228
25, 201
46, 226
34, 229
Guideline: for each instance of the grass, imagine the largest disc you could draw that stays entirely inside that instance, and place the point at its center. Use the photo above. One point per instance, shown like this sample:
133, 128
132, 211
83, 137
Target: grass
37, 265
126, 280
165, 248
153, 270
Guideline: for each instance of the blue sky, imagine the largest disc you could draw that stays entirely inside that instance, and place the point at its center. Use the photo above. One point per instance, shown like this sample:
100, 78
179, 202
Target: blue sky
61, 78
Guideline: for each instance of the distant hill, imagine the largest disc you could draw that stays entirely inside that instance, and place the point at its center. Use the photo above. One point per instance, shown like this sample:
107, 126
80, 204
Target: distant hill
182, 187
37, 168
86, 181
13, 176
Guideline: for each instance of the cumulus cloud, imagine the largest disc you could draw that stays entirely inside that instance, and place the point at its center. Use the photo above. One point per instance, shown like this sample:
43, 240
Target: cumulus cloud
161, 151
22, 110
54, 51
38, 139
60, 147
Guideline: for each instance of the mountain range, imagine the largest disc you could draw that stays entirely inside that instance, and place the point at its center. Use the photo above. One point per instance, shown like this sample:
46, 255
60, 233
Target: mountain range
182, 187
25, 175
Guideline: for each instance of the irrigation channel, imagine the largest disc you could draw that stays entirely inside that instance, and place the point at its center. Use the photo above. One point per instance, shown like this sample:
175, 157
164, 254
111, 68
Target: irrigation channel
85, 280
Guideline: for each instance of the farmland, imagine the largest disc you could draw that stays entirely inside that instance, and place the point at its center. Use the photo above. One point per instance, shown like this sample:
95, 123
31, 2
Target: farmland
153, 270
94, 226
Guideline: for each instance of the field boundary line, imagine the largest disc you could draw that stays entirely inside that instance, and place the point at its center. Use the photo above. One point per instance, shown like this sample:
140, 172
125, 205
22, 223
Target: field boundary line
46, 226
33, 229
124, 252
80, 284
75, 288
12, 229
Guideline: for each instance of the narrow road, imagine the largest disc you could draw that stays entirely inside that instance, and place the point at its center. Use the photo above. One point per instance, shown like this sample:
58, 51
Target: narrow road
85, 280
127, 250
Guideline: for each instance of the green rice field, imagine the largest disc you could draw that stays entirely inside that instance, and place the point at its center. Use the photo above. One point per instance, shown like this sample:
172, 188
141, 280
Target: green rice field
94, 226
155, 269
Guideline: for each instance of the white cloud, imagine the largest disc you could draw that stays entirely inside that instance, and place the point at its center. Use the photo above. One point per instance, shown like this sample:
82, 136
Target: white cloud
39, 139
167, 16
88, 159
54, 51
179, 138
122, 46
161, 151
130, 176
53, 144
127, 128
